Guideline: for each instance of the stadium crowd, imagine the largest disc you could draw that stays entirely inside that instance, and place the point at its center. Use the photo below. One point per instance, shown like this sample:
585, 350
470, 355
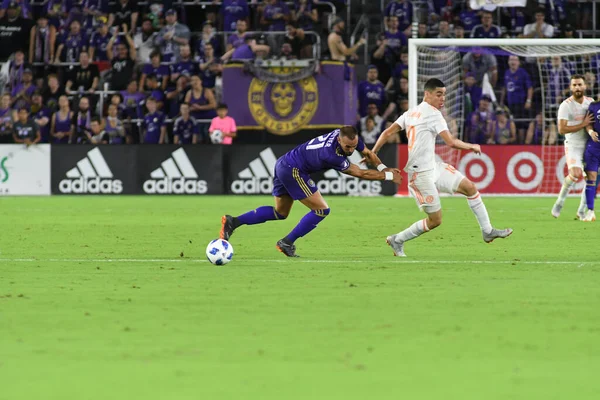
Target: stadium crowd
59, 55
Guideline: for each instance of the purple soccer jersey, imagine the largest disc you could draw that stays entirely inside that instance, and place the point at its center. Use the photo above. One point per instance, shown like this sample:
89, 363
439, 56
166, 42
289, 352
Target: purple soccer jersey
404, 12
370, 93
517, 84
233, 10
153, 124
592, 150
160, 72
273, 9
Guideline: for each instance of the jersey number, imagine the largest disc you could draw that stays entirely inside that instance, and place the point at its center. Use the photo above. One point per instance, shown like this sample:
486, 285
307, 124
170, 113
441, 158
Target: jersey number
317, 142
411, 132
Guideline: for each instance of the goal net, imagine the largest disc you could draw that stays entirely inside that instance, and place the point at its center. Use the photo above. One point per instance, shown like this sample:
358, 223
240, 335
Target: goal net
549, 64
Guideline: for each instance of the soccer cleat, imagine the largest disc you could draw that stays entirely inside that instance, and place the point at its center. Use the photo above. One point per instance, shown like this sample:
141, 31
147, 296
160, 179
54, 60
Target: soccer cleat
398, 247
226, 227
495, 234
580, 215
556, 210
590, 216
289, 249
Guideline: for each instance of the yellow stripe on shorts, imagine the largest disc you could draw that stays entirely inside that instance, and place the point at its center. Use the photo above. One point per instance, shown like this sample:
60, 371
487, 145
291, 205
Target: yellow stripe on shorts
301, 183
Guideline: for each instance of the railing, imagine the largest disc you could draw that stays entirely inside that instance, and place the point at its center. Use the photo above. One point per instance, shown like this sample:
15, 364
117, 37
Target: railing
361, 30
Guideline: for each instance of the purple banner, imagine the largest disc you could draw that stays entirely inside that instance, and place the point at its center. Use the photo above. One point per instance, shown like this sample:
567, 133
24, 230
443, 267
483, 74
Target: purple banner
325, 100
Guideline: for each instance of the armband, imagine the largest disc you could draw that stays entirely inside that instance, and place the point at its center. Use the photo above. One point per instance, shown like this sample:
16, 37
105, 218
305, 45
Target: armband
381, 167
389, 176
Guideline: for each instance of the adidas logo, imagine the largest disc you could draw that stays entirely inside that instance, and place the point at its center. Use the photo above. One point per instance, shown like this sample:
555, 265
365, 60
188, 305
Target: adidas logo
258, 177
91, 175
339, 183
176, 175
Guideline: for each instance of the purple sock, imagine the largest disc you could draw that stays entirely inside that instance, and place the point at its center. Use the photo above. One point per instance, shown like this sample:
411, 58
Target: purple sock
258, 216
590, 193
307, 224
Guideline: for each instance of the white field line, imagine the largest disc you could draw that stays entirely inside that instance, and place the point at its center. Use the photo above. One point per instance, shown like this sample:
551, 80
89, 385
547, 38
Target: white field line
279, 260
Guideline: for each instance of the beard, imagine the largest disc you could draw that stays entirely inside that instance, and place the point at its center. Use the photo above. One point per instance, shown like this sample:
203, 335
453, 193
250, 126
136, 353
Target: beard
578, 94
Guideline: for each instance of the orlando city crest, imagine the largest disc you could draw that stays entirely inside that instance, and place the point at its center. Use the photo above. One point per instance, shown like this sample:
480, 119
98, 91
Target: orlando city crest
283, 108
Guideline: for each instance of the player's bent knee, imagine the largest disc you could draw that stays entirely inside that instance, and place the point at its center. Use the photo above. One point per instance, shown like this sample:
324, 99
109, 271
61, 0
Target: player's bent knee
434, 220
322, 212
467, 188
282, 214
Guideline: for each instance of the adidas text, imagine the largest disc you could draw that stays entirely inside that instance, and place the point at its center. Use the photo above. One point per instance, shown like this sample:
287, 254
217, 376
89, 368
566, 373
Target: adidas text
90, 185
252, 186
348, 186
175, 186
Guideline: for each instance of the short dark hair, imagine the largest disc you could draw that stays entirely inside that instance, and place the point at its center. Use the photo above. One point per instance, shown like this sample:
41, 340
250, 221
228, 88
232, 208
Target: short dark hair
433, 84
155, 53
24, 109
578, 76
96, 119
348, 131
222, 106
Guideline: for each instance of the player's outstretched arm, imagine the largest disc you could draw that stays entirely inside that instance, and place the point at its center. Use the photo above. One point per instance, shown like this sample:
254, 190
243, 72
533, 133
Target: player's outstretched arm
383, 138
388, 174
459, 144
372, 159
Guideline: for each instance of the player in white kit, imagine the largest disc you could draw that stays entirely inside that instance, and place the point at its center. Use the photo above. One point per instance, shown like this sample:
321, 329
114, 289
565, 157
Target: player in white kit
426, 176
572, 122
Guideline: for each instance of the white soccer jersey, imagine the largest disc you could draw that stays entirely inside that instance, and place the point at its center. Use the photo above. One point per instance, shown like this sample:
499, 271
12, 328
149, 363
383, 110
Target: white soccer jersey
574, 113
422, 124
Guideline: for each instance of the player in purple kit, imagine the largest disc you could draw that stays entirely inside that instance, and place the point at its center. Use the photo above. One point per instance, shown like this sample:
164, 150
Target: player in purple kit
591, 158
154, 124
292, 182
370, 91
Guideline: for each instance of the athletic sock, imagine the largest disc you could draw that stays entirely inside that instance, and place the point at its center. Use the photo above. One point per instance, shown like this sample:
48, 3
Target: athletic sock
258, 216
413, 231
478, 208
564, 191
590, 194
307, 224
582, 202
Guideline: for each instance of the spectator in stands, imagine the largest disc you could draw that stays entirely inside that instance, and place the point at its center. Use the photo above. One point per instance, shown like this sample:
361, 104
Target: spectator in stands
481, 120
71, 44
144, 41
21, 94
371, 131
209, 36
96, 132
473, 93
480, 64
337, 48
370, 91
209, 67
466, 17
176, 95
158, 94
99, 41
185, 65
300, 44
83, 77
397, 90
15, 70
224, 123
486, 30
25, 130
275, 15
505, 131
155, 12
558, 86
237, 39
156, 68
7, 117
233, 11
517, 94
444, 31
123, 63
593, 89
171, 36
249, 50
394, 39
286, 52
15, 31
62, 127
568, 32
514, 18
22, 7
538, 134
423, 31
403, 10
113, 127
124, 16
132, 101
41, 42
539, 29
373, 114
202, 103
155, 129
82, 121
185, 127
93, 12
459, 31
52, 93
305, 15
56, 12
401, 68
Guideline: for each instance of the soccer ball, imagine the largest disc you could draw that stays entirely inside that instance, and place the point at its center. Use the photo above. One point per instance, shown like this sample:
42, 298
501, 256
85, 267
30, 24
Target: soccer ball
219, 252
216, 137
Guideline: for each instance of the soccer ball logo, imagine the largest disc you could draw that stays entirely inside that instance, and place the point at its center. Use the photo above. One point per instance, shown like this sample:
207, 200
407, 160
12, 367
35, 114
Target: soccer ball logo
219, 252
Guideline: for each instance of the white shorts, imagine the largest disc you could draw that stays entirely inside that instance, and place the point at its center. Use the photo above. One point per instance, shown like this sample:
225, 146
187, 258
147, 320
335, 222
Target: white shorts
426, 186
574, 155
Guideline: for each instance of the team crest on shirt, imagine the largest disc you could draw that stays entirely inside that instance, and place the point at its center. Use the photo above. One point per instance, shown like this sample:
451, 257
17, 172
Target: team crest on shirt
429, 199
283, 108
311, 183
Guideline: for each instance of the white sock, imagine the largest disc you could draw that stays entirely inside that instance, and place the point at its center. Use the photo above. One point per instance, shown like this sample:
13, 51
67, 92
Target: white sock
582, 203
478, 208
413, 231
564, 191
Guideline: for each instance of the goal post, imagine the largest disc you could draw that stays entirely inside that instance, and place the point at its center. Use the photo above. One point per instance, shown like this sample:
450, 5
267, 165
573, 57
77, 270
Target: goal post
549, 63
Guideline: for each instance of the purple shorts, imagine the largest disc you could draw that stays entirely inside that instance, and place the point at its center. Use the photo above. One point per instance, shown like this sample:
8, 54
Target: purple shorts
289, 180
592, 157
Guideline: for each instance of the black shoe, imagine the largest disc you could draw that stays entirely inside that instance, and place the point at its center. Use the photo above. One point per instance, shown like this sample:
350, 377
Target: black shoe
289, 249
226, 227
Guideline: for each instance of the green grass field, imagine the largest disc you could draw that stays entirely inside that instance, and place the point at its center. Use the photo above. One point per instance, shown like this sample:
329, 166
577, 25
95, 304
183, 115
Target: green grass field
96, 302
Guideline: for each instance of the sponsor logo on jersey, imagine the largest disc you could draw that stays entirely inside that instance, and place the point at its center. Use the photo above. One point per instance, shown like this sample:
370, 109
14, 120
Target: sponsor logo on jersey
176, 175
91, 175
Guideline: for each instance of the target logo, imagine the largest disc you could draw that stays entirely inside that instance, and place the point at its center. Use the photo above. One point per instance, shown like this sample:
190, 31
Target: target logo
478, 168
562, 171
525, 171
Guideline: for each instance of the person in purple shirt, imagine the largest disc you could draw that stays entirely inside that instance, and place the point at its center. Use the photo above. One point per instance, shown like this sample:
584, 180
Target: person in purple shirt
305, 14
473, 90
248, 50
175, 95
41, 115
402, 9
23, 8
132, 101
467, 18
486, 30
275, 15
57, 12
92, 11
156, 92
237, 39
185, 128
292, 182
395, 38
186, 64
209, 67
99, 41
155, 68
154, 126
21, 94
71, 44
592, 161
517, 94
370, 91
232, 11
